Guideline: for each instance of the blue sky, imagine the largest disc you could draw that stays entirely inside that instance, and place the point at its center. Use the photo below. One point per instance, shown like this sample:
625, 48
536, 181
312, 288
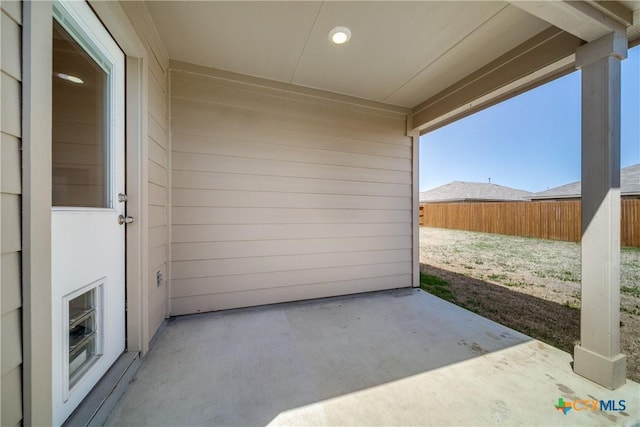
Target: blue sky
530, 142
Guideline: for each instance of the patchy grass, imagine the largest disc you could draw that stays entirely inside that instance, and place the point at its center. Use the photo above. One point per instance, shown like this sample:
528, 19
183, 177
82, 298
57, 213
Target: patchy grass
631, 310
531, 285
629, 290
437, 286
571, 305
565, 276
517, 284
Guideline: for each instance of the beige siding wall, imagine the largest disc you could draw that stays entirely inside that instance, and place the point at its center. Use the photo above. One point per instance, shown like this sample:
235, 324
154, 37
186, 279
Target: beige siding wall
10, 238
158, 162
281, 194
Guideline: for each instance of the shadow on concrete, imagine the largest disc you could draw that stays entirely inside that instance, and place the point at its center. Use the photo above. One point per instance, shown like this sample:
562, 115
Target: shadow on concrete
245, 367
550, 322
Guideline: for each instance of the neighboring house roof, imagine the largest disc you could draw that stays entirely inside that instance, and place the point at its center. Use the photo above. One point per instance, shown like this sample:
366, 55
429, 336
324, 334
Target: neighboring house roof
629, 186
460, 191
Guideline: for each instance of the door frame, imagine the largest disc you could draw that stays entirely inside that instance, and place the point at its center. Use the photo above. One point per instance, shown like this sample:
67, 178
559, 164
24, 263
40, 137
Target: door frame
36, 198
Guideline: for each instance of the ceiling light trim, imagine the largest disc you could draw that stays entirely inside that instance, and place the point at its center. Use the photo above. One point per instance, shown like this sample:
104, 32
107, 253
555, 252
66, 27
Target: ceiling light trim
340, 35
69, 78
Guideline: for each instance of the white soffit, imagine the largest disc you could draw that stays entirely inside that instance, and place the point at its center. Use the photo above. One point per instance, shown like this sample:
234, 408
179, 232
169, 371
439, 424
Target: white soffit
400, 52
262, 39
633, 32
504, 31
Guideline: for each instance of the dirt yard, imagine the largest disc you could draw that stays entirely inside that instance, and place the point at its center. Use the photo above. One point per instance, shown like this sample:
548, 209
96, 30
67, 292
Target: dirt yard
530, 285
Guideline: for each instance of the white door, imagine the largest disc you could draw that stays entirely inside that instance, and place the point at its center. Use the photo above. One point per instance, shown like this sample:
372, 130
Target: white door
88, 270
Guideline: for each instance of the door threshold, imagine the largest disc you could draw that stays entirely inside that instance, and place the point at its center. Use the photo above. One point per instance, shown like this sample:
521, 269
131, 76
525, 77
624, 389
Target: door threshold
96, 407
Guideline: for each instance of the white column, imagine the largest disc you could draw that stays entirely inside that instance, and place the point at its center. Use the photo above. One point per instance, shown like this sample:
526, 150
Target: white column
598, 356
37, 374
415, 203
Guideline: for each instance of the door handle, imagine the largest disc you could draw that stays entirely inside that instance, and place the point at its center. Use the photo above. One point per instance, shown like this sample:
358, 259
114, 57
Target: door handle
124, 219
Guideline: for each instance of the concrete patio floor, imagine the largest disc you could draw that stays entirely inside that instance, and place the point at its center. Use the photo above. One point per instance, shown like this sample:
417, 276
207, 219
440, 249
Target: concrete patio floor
399, 357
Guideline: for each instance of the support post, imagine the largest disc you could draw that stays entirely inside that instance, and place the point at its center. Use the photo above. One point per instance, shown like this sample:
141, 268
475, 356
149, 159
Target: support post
598, 356
415, 202
37, 50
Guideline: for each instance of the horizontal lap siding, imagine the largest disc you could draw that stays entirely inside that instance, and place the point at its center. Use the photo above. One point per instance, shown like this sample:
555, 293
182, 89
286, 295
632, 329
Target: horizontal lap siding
158, 194
279, 196
10, 207
158, 160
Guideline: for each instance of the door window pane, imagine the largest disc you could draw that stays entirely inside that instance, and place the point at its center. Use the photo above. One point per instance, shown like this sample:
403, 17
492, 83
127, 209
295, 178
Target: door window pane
80, 148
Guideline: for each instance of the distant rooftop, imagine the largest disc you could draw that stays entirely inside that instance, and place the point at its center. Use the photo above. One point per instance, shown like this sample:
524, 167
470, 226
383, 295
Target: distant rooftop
629, 186
460, 191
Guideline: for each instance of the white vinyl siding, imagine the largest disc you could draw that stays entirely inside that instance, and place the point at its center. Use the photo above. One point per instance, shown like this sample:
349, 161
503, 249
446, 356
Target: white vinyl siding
158, 160
281, 194
10, 211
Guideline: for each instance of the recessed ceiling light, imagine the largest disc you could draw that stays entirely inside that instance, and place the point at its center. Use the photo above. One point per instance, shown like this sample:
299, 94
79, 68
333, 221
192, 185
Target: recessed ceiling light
340, 35
69, 78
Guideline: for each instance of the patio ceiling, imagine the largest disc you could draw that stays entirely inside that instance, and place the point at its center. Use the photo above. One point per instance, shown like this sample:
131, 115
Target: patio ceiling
400, 52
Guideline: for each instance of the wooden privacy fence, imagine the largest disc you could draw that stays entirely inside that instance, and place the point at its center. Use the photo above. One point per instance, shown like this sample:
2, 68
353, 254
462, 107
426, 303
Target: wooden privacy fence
555, 220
